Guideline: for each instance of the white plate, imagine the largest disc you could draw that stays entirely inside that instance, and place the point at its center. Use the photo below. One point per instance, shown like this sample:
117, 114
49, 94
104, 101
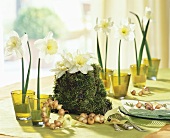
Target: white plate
126, 104
162, 113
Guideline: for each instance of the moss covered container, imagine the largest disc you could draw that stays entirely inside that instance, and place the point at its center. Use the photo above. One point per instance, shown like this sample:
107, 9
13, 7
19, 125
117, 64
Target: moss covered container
80, 92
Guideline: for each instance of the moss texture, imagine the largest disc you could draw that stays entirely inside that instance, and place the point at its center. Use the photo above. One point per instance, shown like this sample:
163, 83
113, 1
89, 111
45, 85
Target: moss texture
80, 93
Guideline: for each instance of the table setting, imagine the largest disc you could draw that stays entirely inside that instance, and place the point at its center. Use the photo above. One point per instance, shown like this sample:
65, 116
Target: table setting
85, 98
151, 126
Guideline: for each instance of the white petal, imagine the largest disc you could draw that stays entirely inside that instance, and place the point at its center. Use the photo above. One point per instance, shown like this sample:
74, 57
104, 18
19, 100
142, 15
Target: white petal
8, 52
96, 28
13, 33
39, 44
73, 70
42, 54
59, 75
49, 58
49, 36
132, 27
97, 20
24, 39
19, 53
86, 68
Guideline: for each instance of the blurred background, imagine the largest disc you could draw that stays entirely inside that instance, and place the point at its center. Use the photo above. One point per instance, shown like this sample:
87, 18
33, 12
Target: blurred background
72, 22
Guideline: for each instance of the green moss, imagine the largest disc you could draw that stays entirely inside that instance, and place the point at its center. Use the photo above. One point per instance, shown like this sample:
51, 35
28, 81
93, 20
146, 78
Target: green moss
82, 92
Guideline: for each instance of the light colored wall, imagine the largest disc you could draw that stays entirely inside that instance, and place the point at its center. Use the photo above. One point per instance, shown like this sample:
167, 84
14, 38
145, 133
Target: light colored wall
158, 33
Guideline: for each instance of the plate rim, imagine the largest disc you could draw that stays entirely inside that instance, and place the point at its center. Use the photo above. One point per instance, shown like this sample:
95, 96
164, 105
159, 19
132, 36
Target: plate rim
143, 117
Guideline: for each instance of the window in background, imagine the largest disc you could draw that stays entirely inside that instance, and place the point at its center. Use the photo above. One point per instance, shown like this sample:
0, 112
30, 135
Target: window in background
70, 24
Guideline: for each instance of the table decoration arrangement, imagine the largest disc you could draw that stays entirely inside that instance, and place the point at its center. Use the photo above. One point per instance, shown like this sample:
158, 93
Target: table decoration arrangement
81, 86
48, 48
62, 118
104, 26
152, 63
14, 45
120, 80
73, 71
78, 85
139, 71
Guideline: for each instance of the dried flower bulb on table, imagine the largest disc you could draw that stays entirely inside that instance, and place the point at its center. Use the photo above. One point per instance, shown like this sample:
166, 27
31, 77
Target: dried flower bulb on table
140, 93
53, 105
101, 118
139, 105
61, 112
158, 106
91, 118
97, 118
149, 106
59, 106
143, 91
84, 115
85, 121
91, 115
59, 122
133, 92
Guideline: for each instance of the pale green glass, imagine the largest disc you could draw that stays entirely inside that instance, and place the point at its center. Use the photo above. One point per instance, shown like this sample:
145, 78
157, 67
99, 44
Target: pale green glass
139, 80
35, 108
152, 70
105, 78
120, 90
21, 108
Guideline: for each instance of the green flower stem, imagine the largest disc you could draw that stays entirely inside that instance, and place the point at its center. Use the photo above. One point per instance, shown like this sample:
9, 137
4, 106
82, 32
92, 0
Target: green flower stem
23, 91
106, 56
137, 66
146, 44
148, 53
106, 53
140, 24
143, 44
99, 53
29, 67
119, 63
38, 85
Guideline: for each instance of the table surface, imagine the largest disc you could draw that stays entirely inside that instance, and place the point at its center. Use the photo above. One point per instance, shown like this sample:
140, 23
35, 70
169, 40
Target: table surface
10, 127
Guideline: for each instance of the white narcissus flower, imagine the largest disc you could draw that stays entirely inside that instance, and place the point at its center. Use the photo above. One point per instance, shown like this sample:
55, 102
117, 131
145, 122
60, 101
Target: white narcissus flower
125, 31
68, 59
14, 44
72, 64
48, 47
60, 69
148, 15
104, 25
81, 64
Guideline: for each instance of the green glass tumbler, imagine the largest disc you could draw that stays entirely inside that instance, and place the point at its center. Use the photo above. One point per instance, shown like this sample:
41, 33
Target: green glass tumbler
20, 103
153, 69
35, 105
